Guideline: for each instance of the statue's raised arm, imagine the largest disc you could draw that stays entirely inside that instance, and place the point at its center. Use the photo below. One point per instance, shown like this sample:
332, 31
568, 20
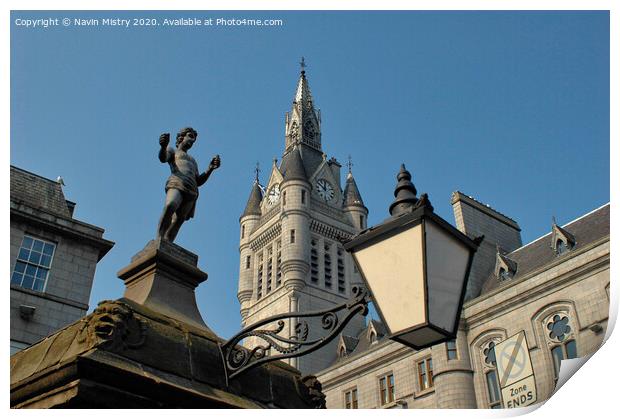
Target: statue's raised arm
182, 185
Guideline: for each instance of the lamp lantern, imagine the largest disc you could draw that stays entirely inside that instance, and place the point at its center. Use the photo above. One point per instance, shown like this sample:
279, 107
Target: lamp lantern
416, 266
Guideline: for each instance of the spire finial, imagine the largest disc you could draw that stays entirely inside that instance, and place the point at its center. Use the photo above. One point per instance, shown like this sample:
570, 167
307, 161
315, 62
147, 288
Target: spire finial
257, 170
553, 220
349, 163
302, 64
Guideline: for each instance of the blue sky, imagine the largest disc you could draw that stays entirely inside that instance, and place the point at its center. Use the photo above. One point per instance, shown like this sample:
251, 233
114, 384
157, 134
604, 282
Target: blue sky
509, 107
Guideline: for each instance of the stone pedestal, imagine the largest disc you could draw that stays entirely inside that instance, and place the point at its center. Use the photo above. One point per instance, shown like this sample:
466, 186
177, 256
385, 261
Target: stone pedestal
163, 277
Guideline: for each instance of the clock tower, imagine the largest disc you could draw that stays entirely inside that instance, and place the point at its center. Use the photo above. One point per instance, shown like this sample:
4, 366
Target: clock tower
291, 258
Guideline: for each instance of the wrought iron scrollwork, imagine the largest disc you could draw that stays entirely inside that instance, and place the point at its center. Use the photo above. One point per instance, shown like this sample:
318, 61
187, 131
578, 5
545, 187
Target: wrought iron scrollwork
238, 359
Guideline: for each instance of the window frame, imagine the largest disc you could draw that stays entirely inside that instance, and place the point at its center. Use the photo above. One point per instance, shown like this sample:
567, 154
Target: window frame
452, 350
387, 388
427, 373
31, 267
563, 347
353, 402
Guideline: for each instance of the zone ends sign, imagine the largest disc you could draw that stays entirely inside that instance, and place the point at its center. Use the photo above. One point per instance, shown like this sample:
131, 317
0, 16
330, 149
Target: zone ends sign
514, 369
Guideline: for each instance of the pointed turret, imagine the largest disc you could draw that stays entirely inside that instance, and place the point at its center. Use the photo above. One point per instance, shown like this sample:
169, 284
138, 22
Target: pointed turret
352, 203
292, 167
253, 205
352, 196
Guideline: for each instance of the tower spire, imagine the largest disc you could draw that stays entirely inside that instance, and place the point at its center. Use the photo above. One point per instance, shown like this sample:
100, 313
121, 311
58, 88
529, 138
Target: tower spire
303, 123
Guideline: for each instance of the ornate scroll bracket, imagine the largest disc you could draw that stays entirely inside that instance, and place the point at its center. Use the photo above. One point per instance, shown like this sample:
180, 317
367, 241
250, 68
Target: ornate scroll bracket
238, 359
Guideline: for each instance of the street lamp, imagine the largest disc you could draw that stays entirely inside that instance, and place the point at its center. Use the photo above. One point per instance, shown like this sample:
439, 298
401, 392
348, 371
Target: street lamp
416, 266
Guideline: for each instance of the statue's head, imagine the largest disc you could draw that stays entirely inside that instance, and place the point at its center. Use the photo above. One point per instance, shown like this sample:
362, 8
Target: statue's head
184, 132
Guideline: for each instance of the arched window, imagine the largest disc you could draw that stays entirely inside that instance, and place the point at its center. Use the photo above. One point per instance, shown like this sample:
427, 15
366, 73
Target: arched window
495, 398
503, 274
566, 350
561, 247
560, 333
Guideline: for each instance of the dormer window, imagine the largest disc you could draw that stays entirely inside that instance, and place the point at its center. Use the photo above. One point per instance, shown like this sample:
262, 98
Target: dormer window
373, 337
505, 268
504, 275
561, 240
560, 247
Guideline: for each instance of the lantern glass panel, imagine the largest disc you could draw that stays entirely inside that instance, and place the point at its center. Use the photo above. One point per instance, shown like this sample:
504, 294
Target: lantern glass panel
394, 271
447, 259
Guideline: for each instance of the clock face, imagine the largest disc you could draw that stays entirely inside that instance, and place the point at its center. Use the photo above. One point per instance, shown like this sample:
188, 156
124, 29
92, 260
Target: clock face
274, 194
324, 189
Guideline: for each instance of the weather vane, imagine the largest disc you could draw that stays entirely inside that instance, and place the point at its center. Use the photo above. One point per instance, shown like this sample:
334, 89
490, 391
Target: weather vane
257, 170
302, 63
350, 163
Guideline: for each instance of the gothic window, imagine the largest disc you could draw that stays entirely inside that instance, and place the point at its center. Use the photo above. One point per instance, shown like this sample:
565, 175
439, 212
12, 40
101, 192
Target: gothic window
558, 327
490, 365
243, 231
386, 388
350, 399
495, 400
489, 354
504, 274
292, 236
362, 222
451, 349
314, 262
425, 373
561, 240
279, 264
327, 263
303, 197
561, 247
283, 198
247, 262
259, 278
565, 350
269, 268
33, 263
341, 281
562, 343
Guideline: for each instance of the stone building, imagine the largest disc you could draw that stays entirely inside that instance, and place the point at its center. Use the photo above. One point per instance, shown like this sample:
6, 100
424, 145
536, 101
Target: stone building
556, 288
291, 258
53, 259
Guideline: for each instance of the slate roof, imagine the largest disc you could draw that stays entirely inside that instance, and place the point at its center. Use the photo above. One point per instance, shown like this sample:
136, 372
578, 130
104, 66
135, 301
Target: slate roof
586, 230
352, 196
292, 166
361, 343
38, 192
253, 205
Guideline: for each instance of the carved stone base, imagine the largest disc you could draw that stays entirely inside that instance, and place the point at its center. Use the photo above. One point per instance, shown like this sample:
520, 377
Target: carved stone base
163, 277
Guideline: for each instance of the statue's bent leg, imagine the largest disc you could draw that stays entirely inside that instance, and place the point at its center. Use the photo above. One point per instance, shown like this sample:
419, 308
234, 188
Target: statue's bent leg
178, 219
174, 198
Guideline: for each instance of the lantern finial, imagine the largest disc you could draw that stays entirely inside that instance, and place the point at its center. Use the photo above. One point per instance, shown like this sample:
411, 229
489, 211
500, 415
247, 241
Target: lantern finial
405, 193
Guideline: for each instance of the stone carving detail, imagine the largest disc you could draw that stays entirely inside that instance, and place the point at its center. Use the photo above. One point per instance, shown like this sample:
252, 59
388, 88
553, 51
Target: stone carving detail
315, 395
558, 328
113, 326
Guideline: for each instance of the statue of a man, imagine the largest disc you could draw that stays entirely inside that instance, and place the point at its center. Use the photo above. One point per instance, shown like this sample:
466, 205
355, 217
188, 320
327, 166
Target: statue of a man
182, 185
